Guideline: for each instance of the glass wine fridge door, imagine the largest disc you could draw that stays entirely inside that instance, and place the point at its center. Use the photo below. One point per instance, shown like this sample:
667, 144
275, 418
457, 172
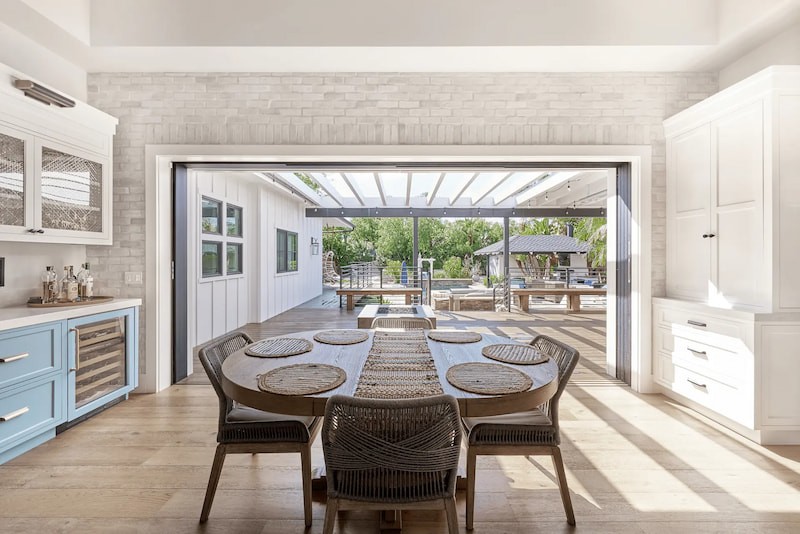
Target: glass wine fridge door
101, 359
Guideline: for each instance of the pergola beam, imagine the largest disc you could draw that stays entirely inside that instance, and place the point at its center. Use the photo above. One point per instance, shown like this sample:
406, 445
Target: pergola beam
380, 187
354, 188
464, 188
492, 188
327, 186
518, 190
435, 190
456, 212
408, 188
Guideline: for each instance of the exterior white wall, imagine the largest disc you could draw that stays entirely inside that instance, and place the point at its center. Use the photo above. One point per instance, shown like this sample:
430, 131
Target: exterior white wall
282, 291
377, 109
782, 49
222, 303
25, 263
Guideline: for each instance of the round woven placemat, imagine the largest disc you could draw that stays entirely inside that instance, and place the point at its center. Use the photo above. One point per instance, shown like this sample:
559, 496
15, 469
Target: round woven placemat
457, 336
488, 378
517, 354
341, 337
302, 379
277, 348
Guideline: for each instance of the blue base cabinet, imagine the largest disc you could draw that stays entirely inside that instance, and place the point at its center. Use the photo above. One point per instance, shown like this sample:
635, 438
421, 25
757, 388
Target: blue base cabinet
54, 373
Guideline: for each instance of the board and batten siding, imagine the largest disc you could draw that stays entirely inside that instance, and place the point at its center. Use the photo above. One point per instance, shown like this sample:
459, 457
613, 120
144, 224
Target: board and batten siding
222, 303
283, 291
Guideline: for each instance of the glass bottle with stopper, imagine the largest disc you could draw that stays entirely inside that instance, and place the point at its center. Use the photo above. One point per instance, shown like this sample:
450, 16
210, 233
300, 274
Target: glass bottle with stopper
49, 283
85, 283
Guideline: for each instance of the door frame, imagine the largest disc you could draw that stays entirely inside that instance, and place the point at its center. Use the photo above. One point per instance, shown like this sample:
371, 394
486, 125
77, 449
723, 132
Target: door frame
157, 370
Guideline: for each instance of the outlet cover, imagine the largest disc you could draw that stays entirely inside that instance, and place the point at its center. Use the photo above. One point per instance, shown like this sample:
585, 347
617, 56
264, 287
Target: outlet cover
133, 278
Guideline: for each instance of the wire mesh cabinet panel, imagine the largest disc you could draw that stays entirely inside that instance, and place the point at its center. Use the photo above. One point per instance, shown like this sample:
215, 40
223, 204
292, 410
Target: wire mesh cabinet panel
16, 181
102, 359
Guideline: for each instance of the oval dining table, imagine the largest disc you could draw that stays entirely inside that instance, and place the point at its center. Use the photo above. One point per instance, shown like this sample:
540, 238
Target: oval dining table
240, 374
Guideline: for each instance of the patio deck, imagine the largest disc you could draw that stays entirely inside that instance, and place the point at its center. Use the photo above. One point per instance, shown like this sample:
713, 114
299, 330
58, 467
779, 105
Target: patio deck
635, 463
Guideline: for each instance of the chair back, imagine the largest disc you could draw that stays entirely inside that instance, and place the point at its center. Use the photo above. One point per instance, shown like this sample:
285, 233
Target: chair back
567, 358
212, 356
391, 451
402, 322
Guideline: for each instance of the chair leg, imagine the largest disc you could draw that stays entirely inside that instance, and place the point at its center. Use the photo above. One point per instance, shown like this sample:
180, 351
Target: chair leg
213, 480
558, 463
472, 459
305, 467
452, 516
331, 510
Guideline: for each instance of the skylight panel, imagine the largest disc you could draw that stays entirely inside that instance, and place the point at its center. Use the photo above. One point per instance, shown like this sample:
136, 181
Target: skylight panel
364, 182
394, 184
482, 184
452, 184
422, 183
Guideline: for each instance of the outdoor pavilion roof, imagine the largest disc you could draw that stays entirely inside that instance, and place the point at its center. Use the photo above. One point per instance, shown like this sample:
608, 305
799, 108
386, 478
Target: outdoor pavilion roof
435, 188
536, 244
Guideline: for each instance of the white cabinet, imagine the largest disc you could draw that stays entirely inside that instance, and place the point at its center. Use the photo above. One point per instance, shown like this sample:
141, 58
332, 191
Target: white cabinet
732, 195
55, 170
725, 342
739, 368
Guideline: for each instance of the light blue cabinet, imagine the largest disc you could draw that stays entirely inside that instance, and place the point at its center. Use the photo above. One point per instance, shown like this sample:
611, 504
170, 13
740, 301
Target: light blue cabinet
54, 373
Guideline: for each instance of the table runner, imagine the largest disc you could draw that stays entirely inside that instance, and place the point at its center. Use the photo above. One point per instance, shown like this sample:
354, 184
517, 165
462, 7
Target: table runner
399, 366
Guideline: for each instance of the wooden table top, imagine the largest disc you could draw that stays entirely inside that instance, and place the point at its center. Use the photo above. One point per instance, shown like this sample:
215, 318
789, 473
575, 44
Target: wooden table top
240, 377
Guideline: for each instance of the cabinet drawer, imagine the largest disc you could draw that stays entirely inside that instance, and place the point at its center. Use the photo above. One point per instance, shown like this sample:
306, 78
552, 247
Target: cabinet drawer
28, 353
733, 403
26, 411
729, 367
728, 334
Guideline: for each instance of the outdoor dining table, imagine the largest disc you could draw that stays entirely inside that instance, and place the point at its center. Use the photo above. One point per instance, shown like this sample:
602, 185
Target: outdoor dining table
240, 374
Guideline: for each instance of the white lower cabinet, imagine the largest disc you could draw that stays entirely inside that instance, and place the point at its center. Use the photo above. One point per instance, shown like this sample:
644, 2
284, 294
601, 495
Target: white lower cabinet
738, 368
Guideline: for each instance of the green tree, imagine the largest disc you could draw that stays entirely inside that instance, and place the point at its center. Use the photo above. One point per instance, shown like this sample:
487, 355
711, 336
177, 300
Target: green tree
593, 230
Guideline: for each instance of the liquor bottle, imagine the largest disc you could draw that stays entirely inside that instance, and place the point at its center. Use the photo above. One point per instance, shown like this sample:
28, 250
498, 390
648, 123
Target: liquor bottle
85, 283
62, 284
71, 289
49, 283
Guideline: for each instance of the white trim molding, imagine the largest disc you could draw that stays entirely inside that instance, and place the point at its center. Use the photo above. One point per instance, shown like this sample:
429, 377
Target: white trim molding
157, 371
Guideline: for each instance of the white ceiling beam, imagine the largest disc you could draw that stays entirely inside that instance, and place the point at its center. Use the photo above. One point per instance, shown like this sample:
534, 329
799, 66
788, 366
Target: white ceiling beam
549, 183
492, 188
354, 188
466, 185
380, 188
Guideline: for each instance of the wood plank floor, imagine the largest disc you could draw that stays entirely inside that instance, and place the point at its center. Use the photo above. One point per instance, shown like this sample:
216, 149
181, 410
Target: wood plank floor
635, 463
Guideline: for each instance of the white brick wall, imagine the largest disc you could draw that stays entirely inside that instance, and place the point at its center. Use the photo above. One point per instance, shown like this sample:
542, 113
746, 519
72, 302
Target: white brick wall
375, 109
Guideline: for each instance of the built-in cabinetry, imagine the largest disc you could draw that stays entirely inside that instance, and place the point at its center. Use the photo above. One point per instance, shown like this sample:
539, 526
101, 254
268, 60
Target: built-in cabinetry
55, 170
725, 339
54, 373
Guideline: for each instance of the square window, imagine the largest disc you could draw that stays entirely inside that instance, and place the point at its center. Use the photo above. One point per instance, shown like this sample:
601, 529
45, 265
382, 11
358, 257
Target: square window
211, 216
211, 259
233, 220
234, 259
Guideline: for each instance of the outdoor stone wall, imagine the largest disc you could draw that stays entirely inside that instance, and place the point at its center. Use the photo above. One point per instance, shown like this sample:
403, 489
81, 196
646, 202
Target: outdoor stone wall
375, 109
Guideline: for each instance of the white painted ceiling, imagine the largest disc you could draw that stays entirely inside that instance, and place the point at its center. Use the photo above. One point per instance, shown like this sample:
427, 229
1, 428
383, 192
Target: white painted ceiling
409, 36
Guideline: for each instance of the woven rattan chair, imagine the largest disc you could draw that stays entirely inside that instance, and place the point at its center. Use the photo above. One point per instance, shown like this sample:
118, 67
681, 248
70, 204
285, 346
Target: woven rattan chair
247, 430
402, 322
391, 454
527, 433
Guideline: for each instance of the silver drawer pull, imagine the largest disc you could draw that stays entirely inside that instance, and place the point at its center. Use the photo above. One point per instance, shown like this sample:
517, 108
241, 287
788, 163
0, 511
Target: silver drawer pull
9, 359
696, 384
696, 352
12, 415
697, 323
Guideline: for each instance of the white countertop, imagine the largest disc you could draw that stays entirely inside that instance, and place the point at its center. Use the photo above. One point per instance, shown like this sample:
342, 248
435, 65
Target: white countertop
19, 316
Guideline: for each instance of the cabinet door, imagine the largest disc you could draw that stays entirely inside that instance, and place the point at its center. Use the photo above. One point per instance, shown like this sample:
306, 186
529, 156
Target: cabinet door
16, 182
739, 259
102, 359
688, 190
73, 200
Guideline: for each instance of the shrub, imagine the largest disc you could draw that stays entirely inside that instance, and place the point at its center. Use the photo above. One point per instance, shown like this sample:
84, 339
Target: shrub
393, 269
453, 268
